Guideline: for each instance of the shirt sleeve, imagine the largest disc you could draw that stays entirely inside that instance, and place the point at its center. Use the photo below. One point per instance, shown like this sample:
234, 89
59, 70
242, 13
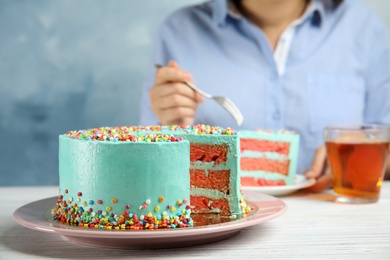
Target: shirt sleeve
378, 76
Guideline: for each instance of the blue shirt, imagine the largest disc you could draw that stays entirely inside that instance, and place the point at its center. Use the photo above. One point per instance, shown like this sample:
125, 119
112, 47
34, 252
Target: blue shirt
337, 69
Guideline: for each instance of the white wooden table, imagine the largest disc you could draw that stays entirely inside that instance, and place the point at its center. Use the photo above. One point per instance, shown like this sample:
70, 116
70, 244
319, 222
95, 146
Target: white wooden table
313, 227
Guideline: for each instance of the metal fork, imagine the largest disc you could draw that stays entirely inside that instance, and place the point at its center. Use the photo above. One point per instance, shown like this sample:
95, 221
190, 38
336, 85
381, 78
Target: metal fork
225, 102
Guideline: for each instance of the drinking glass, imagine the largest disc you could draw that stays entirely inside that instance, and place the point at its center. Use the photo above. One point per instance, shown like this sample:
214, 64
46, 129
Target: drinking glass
358, 157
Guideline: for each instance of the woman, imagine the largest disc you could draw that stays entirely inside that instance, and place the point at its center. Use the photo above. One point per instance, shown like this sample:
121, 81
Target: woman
287, 64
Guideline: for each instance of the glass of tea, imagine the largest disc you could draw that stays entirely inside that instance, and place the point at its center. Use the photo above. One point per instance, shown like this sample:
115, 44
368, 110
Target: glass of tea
358, 157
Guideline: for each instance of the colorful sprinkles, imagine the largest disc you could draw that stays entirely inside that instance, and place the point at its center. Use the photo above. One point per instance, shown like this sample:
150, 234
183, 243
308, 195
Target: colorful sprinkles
149, 134
77, 215
245, 208
201, 129
123, 134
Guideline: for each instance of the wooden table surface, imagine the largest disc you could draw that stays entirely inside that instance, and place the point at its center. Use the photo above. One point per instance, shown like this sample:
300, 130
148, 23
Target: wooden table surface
313, 227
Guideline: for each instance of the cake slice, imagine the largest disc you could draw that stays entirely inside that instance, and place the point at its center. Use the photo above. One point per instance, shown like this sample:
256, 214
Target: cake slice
268, 158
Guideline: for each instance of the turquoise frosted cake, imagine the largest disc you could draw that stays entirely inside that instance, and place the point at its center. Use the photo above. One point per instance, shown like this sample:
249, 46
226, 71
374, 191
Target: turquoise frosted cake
112, 178
268, 158
147, 176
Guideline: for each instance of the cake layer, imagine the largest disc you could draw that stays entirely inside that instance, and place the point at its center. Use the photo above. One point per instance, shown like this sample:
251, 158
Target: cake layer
265, 164
213, 179
208, 153
251, 144
206, 204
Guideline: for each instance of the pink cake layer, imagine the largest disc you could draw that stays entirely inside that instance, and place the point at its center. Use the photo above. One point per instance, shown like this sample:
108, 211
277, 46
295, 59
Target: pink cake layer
264, 164
264, 146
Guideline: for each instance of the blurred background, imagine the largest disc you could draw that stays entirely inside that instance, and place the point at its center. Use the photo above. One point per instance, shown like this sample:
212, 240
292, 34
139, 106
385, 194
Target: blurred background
67, 65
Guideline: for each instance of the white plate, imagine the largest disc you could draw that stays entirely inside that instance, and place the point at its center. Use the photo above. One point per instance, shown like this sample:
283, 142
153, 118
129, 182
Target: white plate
300, 183
36, 215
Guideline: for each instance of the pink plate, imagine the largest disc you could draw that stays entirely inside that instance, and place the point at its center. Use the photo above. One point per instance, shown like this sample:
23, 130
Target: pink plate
36, 215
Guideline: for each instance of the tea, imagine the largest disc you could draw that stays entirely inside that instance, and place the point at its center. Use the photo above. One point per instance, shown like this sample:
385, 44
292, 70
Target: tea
358, 168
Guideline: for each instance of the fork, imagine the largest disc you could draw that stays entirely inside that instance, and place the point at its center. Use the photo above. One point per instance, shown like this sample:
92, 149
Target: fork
225, 102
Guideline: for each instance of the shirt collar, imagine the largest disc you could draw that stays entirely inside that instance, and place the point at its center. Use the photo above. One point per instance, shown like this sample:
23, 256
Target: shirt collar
220, 11
224, 9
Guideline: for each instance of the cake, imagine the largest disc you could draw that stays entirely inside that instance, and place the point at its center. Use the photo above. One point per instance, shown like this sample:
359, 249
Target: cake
147, 177
268, 158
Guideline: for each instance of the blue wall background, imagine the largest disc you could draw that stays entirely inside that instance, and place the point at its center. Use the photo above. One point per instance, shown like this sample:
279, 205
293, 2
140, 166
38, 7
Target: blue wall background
72, 65
68, 65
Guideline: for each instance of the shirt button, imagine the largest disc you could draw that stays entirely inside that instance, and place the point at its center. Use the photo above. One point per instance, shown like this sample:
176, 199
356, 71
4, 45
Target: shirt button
276, 115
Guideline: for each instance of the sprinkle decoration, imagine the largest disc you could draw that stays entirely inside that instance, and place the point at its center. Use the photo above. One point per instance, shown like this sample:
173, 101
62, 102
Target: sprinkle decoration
201, 129
147, 134
77, 215
245, 208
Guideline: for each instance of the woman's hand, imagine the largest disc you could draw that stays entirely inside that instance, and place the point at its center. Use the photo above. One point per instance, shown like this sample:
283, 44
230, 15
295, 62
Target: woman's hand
321, 171
171, 100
